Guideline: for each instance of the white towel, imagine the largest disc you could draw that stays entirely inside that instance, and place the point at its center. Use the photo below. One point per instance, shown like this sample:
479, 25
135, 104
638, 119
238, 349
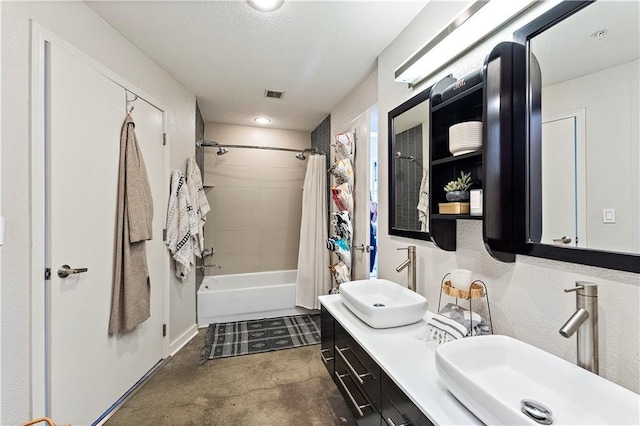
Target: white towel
423, 201
181, 220
455, 322
199, 202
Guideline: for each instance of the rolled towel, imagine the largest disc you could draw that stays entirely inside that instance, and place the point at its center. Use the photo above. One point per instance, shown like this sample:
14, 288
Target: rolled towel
455, 322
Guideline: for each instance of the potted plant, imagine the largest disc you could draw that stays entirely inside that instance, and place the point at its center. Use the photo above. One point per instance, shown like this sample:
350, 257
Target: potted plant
458, 190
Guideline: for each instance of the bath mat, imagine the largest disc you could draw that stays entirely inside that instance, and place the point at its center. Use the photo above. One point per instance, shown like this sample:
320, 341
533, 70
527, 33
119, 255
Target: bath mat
264, 335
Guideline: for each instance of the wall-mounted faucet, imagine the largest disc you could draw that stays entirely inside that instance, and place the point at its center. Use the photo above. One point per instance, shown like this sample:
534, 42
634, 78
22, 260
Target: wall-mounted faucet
203, 267
585, 321
411, 263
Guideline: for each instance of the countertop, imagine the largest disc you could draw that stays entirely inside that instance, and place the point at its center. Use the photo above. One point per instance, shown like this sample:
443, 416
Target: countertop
409, 359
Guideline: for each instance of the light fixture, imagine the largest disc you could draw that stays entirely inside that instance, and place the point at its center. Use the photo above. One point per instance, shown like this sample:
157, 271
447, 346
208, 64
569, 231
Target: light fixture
262, 120
265, 5
467, 30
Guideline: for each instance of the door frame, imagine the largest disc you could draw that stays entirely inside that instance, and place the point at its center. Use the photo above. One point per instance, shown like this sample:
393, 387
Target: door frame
40, 37
580, 170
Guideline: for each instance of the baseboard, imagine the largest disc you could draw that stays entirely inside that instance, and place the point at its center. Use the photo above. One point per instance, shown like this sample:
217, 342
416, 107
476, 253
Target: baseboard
185, 338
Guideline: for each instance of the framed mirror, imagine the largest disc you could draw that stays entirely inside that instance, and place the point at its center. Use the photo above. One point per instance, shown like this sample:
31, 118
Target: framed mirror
583, 145
408, 168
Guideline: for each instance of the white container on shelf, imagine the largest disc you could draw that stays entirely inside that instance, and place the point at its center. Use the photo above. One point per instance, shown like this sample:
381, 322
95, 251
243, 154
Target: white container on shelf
465, 137
475, 202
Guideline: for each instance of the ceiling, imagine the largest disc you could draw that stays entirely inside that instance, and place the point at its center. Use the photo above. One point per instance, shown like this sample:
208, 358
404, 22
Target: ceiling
227, 54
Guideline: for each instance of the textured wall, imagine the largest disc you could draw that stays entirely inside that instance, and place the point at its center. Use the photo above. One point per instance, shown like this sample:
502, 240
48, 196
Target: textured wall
81, 27
527, 301
256, 199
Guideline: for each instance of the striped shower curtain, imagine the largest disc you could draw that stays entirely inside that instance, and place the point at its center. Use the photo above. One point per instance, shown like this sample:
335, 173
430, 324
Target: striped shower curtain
313, 278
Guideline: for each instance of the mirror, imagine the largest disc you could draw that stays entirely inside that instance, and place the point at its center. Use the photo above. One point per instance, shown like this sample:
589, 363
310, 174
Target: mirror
408, 165
584, 142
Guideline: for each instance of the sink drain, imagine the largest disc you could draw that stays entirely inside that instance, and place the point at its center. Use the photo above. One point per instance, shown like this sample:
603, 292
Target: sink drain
378, 305
536, 411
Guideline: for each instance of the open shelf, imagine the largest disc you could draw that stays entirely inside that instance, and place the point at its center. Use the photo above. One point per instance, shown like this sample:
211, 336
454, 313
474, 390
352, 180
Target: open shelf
455, 216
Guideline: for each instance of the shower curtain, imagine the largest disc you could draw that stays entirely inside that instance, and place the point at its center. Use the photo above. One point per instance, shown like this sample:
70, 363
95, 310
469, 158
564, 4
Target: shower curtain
313, 278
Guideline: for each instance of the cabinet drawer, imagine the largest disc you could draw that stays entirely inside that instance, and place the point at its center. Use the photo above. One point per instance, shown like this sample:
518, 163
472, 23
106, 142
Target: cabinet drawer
395, 399
327, 340
357, 401
362, 369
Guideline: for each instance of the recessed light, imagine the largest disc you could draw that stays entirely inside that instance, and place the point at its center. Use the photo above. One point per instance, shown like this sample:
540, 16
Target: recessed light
265, 5
262, 120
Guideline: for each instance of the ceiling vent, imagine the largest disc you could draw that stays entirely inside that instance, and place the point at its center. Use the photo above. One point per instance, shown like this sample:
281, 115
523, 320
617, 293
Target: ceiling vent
273, 94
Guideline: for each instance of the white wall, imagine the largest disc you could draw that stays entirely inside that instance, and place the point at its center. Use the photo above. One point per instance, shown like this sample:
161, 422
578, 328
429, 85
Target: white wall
611, 138
80, 26
527, 301
255, 197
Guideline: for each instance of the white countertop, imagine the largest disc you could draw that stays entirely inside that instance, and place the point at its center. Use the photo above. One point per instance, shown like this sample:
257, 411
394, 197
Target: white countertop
405, 355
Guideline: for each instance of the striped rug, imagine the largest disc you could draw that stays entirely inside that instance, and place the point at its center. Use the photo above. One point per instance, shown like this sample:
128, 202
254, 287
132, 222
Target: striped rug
263, 335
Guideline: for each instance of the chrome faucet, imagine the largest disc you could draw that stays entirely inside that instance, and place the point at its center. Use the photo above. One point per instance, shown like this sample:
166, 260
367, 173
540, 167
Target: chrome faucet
585, 321
215, 265
208, 252
411, 263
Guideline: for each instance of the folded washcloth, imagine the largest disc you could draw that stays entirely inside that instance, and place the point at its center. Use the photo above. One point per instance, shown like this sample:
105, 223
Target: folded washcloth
455, 322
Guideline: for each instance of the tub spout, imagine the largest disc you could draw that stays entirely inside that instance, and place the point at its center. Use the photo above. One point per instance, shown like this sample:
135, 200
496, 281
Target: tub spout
209, 266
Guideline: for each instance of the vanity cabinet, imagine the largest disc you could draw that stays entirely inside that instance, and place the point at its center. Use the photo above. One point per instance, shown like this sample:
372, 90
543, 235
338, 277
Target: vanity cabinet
371, 394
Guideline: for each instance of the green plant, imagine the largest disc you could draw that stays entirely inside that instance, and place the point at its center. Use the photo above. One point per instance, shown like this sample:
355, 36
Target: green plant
463, 183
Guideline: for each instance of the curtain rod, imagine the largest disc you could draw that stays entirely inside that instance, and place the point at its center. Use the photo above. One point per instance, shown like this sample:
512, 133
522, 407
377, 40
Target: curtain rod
272, 148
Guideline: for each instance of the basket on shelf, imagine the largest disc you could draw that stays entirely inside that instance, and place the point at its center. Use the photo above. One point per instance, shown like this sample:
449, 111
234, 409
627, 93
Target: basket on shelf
477, 290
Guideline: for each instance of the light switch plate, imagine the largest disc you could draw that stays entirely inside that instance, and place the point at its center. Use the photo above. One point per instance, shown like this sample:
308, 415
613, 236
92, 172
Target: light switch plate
608, 215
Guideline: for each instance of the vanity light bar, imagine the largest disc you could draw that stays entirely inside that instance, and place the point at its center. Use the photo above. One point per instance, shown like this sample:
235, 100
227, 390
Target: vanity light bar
467, 30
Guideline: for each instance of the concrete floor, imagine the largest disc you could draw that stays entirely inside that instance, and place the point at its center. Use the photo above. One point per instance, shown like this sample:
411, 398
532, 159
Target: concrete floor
286, 387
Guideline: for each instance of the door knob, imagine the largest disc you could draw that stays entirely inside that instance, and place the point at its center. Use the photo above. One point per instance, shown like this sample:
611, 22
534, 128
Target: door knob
65, 270
563, 240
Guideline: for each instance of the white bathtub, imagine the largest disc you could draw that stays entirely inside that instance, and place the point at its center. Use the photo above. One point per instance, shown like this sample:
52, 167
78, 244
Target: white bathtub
237, 297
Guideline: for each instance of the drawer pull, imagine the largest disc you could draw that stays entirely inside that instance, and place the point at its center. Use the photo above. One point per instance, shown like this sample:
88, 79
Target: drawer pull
353, 371
353, 401
325, 360
392, 423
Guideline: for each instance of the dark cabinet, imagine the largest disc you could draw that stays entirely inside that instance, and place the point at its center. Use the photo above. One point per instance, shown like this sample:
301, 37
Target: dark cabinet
444, 167
372, 396
498, 101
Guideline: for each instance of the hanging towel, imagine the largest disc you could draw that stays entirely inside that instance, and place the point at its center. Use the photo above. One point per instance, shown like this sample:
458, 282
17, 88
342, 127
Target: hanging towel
423, 201
130, 300
181, 221
199, 202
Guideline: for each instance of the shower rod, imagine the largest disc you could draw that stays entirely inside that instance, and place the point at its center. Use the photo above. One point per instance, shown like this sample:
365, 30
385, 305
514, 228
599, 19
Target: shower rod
272, 148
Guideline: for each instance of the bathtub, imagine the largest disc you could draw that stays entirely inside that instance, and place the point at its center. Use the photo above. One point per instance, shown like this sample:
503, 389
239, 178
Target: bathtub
237, 297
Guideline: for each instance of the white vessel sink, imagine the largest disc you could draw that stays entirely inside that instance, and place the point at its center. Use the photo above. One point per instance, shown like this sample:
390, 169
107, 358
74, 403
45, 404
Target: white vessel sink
491, 375
383, 303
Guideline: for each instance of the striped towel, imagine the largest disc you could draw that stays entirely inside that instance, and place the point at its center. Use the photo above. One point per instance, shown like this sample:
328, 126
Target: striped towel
455, 322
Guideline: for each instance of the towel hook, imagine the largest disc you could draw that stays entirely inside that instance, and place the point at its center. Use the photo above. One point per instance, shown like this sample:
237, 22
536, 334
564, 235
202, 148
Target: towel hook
135, 97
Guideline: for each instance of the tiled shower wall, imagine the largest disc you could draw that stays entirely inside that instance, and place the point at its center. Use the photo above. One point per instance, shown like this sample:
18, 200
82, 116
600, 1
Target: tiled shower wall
256, 199
408, 177
321, 140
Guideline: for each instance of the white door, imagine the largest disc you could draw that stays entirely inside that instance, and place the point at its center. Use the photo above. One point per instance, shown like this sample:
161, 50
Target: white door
361, 210
559, 184
88, 369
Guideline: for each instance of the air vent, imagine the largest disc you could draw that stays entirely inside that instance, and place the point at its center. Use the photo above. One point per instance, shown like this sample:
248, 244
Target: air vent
273, 94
